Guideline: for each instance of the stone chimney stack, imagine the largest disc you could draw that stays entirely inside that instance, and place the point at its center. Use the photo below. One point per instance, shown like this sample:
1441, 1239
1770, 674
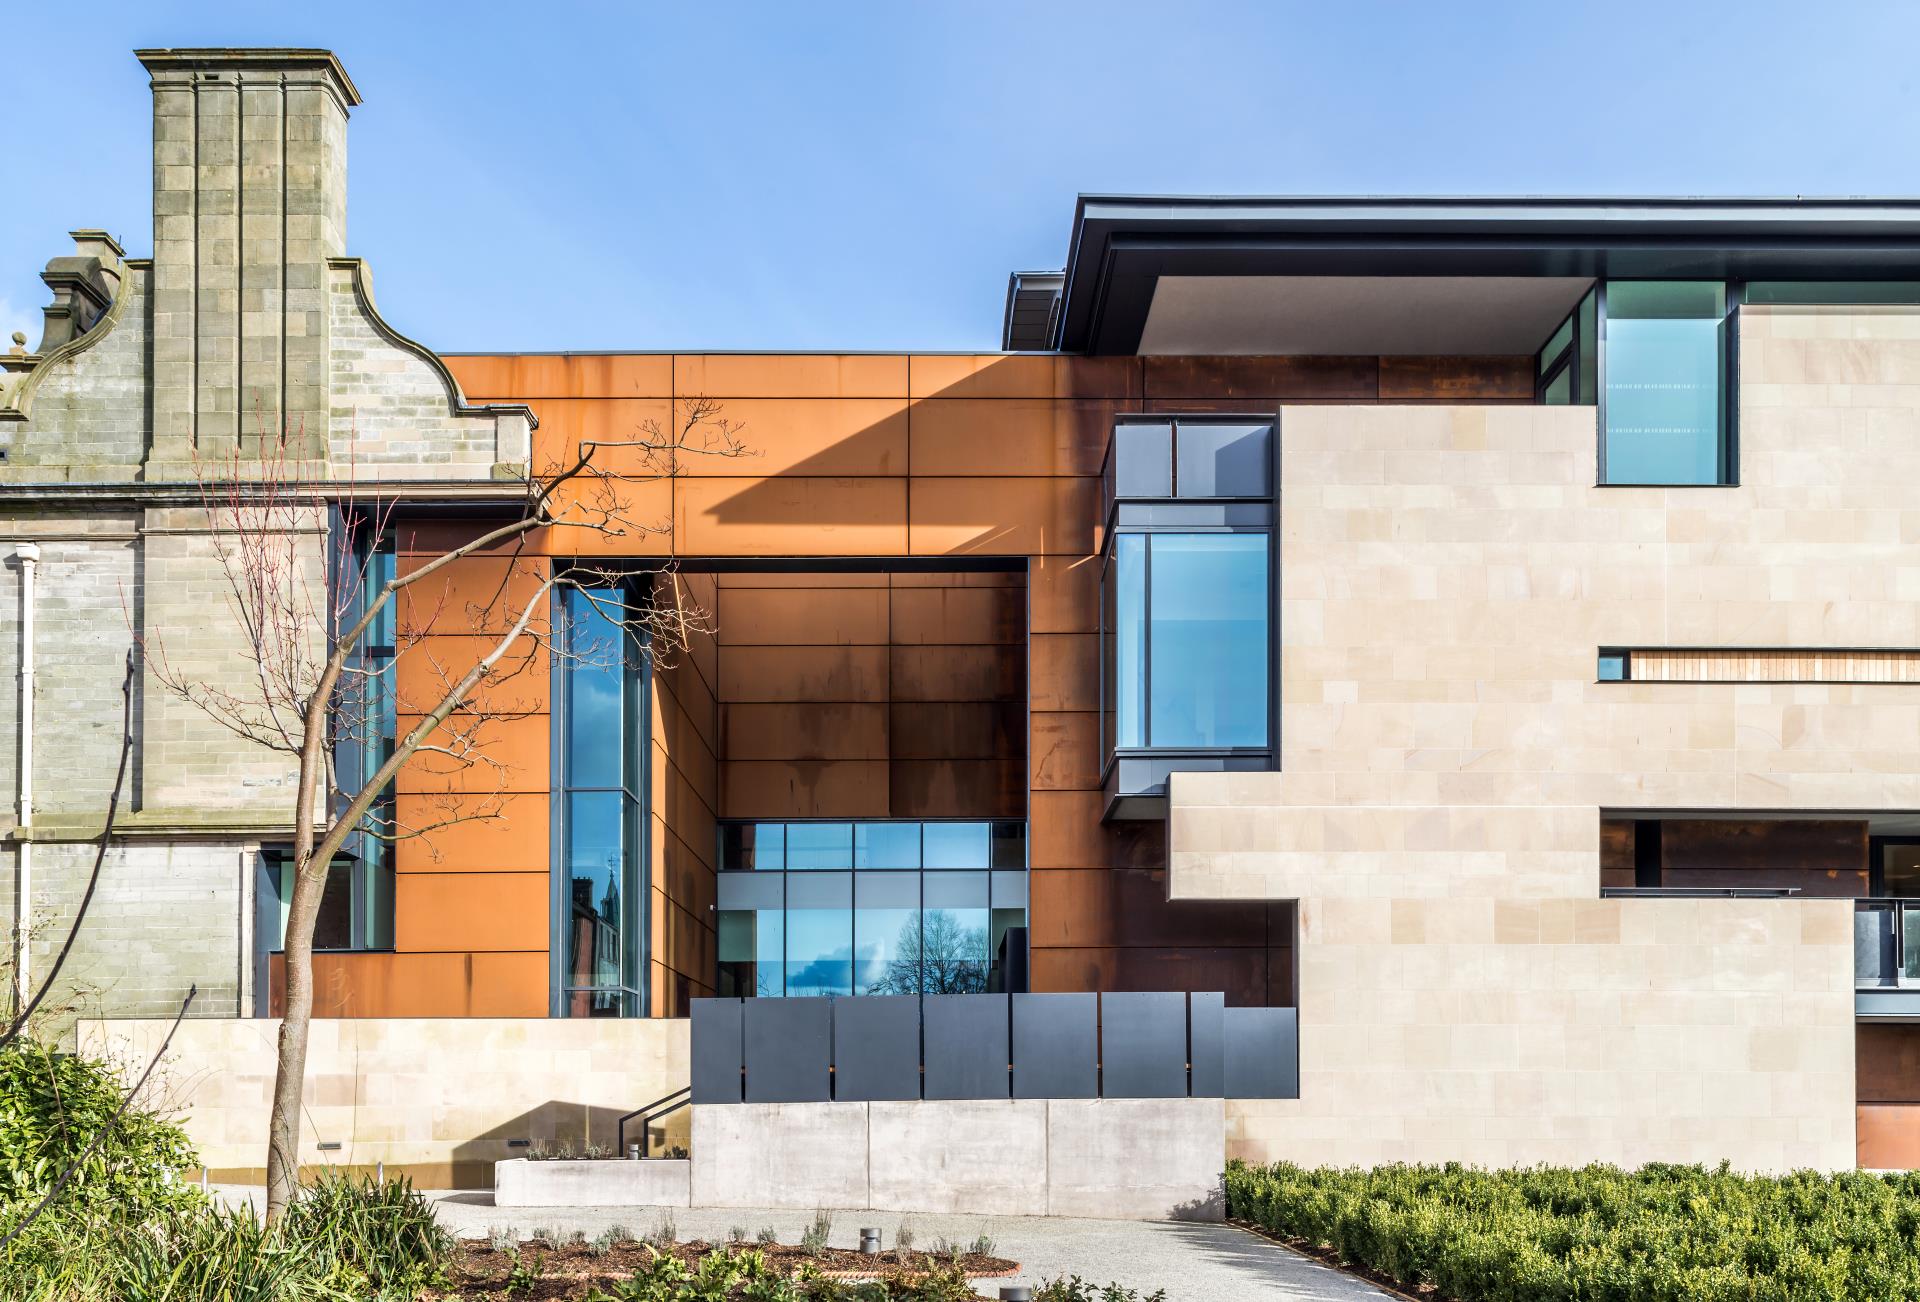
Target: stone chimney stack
249, 202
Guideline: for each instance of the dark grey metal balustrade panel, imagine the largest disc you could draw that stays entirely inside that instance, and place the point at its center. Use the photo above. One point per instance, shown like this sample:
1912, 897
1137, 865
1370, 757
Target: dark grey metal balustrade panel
789, 1044
876, 1047
715, 1075
1262, 1053
1055, 1050
965, 1044
1205, 1044
1143, 1045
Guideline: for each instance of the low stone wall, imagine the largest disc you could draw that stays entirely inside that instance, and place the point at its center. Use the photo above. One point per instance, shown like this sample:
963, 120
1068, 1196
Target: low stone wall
437, 1099
656, 1182
1120, 1159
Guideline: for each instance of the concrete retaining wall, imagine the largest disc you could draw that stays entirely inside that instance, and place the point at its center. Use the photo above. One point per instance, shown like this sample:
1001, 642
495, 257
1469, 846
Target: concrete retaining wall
656, 1182
1119, 1159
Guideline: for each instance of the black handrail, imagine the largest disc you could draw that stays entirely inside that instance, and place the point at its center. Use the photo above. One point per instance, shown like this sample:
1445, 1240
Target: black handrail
1698, 892
648, 1116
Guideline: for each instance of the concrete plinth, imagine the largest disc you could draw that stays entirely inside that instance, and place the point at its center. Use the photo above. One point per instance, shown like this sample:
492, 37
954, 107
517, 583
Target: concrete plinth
799, 1155
1137, 1159
655, 1182
959, 1157
1150, 1159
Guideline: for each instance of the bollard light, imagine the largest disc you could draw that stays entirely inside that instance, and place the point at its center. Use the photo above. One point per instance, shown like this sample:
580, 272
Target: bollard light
870, 1242
1015, 1293
379, 1172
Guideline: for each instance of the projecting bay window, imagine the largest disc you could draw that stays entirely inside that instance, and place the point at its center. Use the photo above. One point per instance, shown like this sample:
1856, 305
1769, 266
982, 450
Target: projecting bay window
599, 904
1656, 357
1187, 601
1666, 404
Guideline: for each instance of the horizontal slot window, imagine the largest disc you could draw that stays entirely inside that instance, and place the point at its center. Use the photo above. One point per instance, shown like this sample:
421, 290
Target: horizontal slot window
1757, 665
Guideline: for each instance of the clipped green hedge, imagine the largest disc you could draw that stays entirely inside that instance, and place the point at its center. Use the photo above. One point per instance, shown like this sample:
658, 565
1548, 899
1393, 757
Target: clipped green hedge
1600, 1234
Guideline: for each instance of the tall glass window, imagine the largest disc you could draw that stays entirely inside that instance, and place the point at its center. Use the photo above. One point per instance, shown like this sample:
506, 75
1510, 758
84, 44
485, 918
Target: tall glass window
1667, 350
934, 907
356, 910
1191, 645
603, 678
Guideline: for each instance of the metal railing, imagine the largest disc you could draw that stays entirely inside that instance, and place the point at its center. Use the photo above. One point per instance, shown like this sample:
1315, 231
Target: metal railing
1169, 1044
1886, 944
660, 1108
1698, 892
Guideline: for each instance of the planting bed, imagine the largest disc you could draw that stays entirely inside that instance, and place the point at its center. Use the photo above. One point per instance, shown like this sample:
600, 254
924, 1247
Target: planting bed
576, 1271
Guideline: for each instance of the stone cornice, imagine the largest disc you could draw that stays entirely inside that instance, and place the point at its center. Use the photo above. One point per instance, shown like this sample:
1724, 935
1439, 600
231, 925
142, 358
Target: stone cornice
246, 65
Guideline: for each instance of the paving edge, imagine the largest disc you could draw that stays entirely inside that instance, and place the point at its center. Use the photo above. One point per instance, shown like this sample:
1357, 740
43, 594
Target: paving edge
1330, 1259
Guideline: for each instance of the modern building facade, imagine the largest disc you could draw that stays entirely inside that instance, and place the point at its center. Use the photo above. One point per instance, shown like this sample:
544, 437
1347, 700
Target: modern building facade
1488, 627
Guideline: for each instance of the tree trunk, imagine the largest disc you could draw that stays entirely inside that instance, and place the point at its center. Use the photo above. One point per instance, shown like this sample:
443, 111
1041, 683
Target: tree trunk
290, 1072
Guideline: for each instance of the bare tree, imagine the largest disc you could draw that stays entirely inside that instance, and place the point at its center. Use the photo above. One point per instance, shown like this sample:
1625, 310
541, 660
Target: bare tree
306, 600
936, 954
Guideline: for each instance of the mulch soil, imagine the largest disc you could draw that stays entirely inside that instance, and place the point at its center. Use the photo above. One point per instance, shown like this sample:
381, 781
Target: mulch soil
574, 1271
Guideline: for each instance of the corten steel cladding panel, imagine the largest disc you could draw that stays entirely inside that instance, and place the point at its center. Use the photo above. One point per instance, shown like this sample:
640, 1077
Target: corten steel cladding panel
789, 1050
1055, 1046
1143, 1045
876, 1048
966, 1047
1263, 1053
992, 454
718, 1040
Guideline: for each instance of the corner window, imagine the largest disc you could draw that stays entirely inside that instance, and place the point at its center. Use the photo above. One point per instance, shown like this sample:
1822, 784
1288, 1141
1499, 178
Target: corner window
1666, 385
1566, 368
1190, 640
603, 679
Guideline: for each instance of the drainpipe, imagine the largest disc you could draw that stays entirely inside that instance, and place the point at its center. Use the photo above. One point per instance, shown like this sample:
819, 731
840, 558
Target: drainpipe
28, 555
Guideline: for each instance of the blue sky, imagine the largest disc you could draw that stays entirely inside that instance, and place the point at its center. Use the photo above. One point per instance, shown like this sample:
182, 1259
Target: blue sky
818, 175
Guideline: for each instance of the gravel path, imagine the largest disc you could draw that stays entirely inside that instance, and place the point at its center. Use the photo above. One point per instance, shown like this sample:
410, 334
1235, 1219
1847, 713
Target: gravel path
1192, 1262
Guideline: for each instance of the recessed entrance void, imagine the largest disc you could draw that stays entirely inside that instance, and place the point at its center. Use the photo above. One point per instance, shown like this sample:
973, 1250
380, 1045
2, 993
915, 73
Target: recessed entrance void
872, 777
1814, 864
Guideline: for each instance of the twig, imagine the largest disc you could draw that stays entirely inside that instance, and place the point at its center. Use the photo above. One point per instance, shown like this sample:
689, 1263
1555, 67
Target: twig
99, 858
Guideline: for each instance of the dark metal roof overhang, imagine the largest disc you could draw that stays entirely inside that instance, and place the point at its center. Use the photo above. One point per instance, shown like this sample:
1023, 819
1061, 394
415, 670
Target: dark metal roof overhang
1122, 246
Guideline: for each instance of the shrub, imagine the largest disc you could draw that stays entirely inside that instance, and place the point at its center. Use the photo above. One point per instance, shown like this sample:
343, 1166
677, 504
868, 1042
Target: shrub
813, 1239
52, 1106
211, 1252
1075, 1289
358, 1230
1600, 1234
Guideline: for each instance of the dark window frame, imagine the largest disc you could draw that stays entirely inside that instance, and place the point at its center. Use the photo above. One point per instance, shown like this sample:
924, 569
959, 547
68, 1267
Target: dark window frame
786, 873
1107, 725
634, 992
